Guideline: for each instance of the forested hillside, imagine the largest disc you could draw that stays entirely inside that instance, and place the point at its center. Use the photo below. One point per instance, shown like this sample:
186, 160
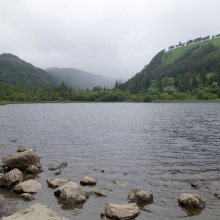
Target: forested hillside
18, 72
190, 71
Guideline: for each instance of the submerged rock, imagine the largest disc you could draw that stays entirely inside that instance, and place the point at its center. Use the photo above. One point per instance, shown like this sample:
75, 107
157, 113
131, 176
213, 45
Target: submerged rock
88, 181
23, 148
71, 193
58, 172
27, 196
120, 183
35, 212
196, 185
22, 160
138, 195
54, 183
58, 166
29, 186
102, 192
11, 178
121, 211
191, 200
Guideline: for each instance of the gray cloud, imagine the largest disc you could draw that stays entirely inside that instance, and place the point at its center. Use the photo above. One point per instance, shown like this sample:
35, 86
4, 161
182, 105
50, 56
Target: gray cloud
106, 37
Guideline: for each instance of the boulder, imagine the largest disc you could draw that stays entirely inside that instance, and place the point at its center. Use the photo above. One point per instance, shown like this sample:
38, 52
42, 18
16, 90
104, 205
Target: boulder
58, 166
22, 160
32, 169
23, 148
191, 200
11, 178
27, 196
138, 195
54, 183
36, 211
71, 193
88, 181
29, 186
121, 211
2, 169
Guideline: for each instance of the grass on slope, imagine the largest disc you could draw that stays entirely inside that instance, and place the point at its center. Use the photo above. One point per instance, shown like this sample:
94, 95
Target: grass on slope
172, 55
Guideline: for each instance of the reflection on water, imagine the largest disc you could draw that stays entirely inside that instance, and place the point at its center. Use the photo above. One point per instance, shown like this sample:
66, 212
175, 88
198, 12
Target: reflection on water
190, 211
161, 148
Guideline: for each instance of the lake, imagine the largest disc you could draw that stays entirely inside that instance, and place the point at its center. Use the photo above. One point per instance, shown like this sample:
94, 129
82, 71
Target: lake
158, 147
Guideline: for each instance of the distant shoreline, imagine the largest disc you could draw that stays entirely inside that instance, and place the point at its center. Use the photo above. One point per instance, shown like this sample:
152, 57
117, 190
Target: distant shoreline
155, 101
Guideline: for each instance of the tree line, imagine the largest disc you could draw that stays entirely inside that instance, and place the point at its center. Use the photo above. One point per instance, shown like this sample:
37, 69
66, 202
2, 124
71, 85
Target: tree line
196, 40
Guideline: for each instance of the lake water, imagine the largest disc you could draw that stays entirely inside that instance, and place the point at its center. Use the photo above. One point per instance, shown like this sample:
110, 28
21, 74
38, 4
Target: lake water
158, 147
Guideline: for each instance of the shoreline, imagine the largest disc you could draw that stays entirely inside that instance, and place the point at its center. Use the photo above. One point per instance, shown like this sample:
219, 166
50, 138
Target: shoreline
155, 101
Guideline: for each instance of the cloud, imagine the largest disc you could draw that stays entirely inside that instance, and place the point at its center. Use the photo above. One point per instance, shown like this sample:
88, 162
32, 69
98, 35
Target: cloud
114, 38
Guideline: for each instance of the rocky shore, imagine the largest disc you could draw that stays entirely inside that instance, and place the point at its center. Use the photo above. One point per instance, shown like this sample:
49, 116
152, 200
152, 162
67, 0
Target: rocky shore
70, 193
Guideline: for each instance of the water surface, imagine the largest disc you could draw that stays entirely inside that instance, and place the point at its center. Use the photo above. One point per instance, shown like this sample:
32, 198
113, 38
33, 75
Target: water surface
159, 147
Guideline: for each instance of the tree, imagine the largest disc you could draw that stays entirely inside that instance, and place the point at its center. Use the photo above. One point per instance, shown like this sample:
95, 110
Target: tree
160, 86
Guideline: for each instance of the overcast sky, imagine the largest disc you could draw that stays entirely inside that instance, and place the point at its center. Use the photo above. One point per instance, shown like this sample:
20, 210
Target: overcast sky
106, 37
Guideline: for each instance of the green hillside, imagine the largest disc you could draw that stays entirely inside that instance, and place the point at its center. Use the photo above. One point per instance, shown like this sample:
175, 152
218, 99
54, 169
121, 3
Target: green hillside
192, 70
15, 71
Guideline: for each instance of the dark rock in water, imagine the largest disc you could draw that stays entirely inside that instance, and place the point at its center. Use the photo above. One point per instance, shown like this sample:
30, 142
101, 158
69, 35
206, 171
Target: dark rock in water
102, 215
196, 185
27, 196
13, 141
58, 172
217, 195
191, 200
22, 160
11, 178
88, 181
102, 171
58, 166
23, 148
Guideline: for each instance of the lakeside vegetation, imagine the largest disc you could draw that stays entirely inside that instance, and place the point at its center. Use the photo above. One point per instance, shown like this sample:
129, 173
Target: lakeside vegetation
186, 73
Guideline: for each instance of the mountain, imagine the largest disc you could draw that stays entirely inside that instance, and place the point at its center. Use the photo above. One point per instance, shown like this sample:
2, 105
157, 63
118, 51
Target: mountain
195, 65
79, 79
15, 71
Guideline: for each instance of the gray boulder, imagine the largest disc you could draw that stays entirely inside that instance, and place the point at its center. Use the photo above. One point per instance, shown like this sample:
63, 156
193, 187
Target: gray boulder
191, 200
35, 212
22, 160
54, 183
121, 211
29, 186
11, 178
138, 195
71, 193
